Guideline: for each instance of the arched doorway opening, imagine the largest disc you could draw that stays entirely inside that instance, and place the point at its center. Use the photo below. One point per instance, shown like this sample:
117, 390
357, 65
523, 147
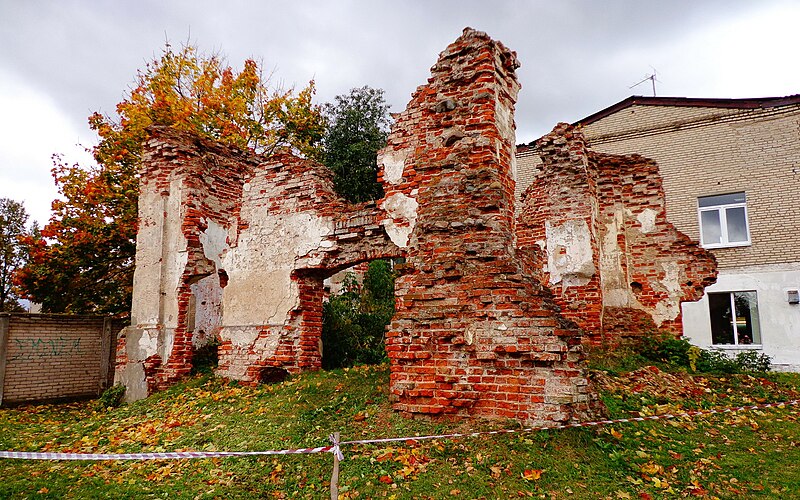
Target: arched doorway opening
358, 306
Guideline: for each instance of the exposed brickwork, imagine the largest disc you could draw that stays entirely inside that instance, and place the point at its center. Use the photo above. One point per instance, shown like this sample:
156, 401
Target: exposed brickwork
223, 191
48, 356
704, 151
593, 227
472, 334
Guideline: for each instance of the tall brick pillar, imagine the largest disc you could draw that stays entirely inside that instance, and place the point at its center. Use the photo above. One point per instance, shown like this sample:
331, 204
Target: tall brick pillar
473, 335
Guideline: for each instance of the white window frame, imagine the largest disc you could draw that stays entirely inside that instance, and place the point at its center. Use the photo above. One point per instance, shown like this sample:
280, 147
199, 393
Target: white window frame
723, 222
736, 344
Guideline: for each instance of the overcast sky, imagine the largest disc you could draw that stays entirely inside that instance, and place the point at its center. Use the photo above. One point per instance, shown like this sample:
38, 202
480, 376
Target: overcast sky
62, 59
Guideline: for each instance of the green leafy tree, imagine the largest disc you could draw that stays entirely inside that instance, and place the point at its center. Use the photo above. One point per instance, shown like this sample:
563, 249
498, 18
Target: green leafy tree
12, 227
83, 261
354, 321
358, 124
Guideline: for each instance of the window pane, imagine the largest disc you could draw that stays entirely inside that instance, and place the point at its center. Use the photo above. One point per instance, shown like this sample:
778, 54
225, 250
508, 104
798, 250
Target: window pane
747, 327
722, 199
719, 305
737, 224
712, 231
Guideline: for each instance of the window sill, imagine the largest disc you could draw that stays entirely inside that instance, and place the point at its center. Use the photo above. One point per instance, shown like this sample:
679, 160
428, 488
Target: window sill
740, 347
726, 245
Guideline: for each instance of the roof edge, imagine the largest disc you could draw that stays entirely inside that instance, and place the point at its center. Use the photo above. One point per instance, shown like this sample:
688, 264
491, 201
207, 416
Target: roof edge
750, 103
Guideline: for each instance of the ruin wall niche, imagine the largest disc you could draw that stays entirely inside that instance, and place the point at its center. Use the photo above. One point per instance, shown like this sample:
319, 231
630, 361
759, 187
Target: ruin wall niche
234, 246
641, 269
472, 335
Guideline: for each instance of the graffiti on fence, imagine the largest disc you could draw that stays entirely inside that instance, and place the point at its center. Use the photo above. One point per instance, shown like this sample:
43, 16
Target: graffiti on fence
41, 348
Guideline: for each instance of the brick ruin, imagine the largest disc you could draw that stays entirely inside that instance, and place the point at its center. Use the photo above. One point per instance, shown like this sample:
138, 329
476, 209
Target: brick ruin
593, 228
235, 246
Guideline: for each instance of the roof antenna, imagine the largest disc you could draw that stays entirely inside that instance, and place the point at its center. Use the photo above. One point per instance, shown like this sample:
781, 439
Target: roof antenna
652, 78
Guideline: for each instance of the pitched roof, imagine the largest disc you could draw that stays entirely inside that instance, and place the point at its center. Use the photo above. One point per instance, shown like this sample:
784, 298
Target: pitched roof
755, 103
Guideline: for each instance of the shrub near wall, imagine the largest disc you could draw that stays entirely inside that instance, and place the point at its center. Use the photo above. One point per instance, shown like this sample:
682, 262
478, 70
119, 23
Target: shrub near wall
50, 356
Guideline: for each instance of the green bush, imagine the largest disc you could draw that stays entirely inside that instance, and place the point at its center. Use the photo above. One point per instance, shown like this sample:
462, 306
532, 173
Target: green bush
206, 358
753, 361
679, 352
354, 321
666, 349
111, 397
716, 362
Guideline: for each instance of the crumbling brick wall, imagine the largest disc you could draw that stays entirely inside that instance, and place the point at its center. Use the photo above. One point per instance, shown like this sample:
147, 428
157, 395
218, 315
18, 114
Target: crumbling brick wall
476, 333
240, 245
593, 228
472, 335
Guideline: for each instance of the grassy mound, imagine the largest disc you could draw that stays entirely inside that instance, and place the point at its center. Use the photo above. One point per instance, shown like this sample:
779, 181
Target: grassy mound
734, 455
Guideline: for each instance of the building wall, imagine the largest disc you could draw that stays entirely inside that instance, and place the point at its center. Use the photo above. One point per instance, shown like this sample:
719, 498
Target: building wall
708, 151
592, 227
47, 356
704, 151
780, 320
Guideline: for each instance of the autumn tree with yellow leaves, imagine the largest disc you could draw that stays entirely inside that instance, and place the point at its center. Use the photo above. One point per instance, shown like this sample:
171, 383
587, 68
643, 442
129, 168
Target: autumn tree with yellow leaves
83, 260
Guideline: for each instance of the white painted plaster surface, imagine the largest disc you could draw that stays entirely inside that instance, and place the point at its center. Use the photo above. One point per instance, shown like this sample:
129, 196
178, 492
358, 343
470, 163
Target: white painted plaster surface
214, 241
147, 274
393, 163
569, 253
260, 290
403, 208
174, 257
647, 220
208, 309
669, 308
240, 336
146, 345
504, 119
780, 321
132, 377
613, 280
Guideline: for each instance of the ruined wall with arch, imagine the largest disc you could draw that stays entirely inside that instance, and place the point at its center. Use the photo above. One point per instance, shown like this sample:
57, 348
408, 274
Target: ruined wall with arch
236, 246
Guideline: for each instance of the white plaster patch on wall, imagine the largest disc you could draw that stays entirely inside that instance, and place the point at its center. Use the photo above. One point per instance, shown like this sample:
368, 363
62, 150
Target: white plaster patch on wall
260, 288
175, 255
647, 220
315, 229
214, 241
612, 280
166, 343
504, 118
207, 295
403, 208
393, 163
239, 336
569, 253
147, 344
147, 275
267, 345
669, 308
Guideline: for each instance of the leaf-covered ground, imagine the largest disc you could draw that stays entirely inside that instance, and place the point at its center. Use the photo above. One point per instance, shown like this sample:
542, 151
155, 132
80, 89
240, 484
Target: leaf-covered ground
753, 454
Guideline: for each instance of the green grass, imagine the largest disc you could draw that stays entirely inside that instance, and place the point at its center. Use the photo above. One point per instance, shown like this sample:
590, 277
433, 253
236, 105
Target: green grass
737, 455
